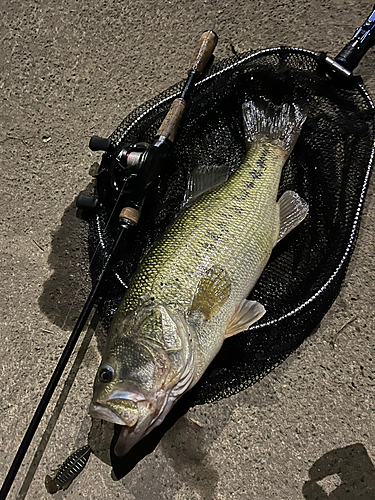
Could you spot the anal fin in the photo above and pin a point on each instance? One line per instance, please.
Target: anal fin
(293, 209)
(245, 314)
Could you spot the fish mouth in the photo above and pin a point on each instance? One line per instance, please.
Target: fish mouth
(120, 408)
(133, 428)
(132, 411)
(126, 439)
(102, 412)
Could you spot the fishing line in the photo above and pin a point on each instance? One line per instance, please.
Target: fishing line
(110, 218)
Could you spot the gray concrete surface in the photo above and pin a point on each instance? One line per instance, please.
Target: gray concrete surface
(71, 69)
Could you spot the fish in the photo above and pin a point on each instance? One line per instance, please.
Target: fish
(190, 291)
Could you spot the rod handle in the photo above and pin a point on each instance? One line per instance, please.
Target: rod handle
(203, 52)
(166, 134)
(201, 57)
(172, 120)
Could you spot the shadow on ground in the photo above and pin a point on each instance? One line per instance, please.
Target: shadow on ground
(65, 292)
(184, 443)
(342, 474)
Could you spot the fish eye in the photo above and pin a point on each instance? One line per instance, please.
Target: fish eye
(106, 374)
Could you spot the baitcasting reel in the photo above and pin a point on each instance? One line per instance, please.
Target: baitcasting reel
(125, 174)
(127, 170)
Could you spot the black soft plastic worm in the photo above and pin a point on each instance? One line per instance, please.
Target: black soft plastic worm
(68, 471)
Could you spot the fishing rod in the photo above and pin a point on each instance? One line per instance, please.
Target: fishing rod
(340, 66)
(142, 164)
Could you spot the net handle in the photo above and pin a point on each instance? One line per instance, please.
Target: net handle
(363, 39)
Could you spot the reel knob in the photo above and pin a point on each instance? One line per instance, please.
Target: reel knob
(86, 202)
(99, 143)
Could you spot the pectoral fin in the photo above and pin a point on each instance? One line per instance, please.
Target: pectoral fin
(212, 292)
(245, 314)
(293, 209)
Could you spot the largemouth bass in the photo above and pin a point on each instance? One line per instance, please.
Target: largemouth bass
(190, 291)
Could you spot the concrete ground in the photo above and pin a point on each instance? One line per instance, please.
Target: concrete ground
(73, 69)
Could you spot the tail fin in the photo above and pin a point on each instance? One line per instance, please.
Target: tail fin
(265, 121)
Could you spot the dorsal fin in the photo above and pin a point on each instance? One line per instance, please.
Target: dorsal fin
(203, 180)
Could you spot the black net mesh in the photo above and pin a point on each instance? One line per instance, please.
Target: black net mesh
(329, 168)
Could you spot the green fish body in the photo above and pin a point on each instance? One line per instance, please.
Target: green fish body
(189, 293)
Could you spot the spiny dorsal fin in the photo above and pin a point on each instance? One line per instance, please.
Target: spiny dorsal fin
(203, 180)
(245, 314)
(293, 209)
(212, 292)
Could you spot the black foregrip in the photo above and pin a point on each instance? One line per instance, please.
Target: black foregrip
(362, 41)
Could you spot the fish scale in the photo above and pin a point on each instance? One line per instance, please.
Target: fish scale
(238, 222)
(233, 209)
(189, 292)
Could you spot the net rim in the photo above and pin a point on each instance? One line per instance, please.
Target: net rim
(215, 74)
(355, 226)
(349, 247)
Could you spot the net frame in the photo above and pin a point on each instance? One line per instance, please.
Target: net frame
(250, 355)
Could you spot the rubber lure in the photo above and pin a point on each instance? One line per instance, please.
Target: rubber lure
(69, 470)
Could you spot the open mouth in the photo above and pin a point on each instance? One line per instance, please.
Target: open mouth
(99, 411)
(127, 438)
(115, 409)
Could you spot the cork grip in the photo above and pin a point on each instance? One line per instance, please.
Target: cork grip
(171, 122)
(168, 128)
(130, 214)
(203, 52)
